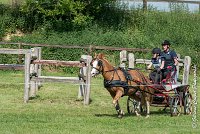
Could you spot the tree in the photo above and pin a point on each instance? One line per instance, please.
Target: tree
(69, 12)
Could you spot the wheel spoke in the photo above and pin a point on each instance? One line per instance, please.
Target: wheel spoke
(132, 105)
(175, 107)
(188, 104)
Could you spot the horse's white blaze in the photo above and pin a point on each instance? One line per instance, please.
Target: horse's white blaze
(94, 70)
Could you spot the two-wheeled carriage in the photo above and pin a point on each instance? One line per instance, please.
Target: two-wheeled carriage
(168, 93)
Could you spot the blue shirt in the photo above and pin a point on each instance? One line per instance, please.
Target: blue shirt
(157, 61)
(169, 57)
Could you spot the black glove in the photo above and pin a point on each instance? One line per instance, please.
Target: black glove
(158, 69)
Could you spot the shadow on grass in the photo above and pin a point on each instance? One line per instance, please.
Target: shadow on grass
(106, 115)
(159, 112)
(35, 97)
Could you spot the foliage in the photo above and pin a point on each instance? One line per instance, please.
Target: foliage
(2, 30)
(3, 8)
(115, 16)
(10, 19)
(181, 28)
(108, 25)
(62, 15)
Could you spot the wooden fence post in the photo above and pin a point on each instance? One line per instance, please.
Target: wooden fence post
(187, 63)
(88, 81)
(38, 54)
(83, 74)
(131, 60)
(34, 72)
(123, 58)
(27, 75)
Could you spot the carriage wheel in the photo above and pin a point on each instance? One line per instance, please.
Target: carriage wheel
(133, 105)
(188, 104)
(175, 107)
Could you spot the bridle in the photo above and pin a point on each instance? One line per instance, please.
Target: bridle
(100, 64)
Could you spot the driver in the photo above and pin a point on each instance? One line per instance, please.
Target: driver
(171, 60)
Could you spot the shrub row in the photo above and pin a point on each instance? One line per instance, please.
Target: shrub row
(112, 26)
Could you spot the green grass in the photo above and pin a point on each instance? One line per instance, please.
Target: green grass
(57, 111)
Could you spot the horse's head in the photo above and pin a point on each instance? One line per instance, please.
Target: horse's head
(97, 64)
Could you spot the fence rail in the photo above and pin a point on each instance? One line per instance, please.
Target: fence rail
(58, 79)
(90, 48)
(59, 63)
(13, 51)
(11, 66)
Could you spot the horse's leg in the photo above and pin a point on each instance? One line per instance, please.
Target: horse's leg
(118, 109)
(148, 108)
(148, 101)
(116, 103)
(115, 100)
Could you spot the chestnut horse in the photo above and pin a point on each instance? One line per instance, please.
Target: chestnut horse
(118, 84)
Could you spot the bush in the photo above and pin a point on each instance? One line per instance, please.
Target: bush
(3, 10)
(62, 15)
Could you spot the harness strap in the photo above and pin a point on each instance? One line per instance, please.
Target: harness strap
(124, 84)
(115, 83)
(142, 90)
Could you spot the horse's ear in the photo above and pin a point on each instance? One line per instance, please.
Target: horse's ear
(95, 55)
(101, 56)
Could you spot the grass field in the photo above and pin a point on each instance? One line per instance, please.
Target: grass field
(56, 111)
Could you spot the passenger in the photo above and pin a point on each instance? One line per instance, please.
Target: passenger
(171, 60)
(158, 64)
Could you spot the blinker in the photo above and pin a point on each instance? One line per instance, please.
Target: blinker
(99, 63)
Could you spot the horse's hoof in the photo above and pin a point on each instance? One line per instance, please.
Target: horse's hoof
(138, 115)
(122, 113)
(120, 116)
(114, 102)
(147, 116)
